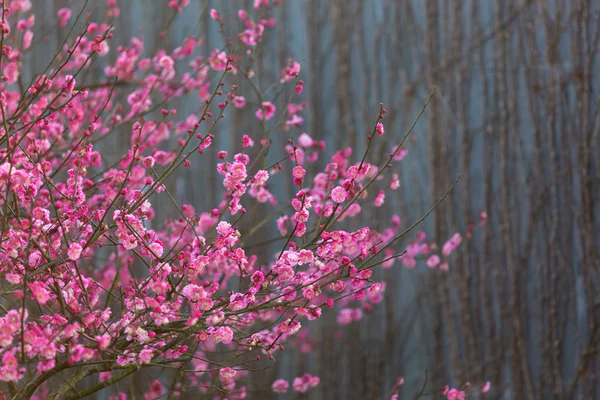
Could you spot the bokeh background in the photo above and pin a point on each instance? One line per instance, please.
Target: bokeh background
(515, 111)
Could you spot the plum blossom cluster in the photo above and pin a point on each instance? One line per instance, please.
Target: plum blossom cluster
(300, 384)
(460, 393)
(93, 285)
(448, 393)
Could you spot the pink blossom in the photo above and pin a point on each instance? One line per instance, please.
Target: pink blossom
(103, 376)
(266, 111)
(433, 261)
(290, 71)
(408, 262)
(41, 294)
(148, 162)
(239, 101)
(218, 60)
(451, 244)
(305, 140)
(486, 387)
(247, 141)
(338, 194)
(223, 334)
(227, 373)
(103, 341)
(280, 386)
(349, 315)
(400, 154)
(155, 391)
(395, 182)
(303, 383)
(298, 174)
(379, 199)
(295, 121)
(166, 63)
(260, 3)
(75, 251)
(64, 14)
(483, 217)
(455, 394)
(11, 72)
(27, 39)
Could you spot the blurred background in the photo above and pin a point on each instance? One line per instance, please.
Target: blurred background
(515, 111)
